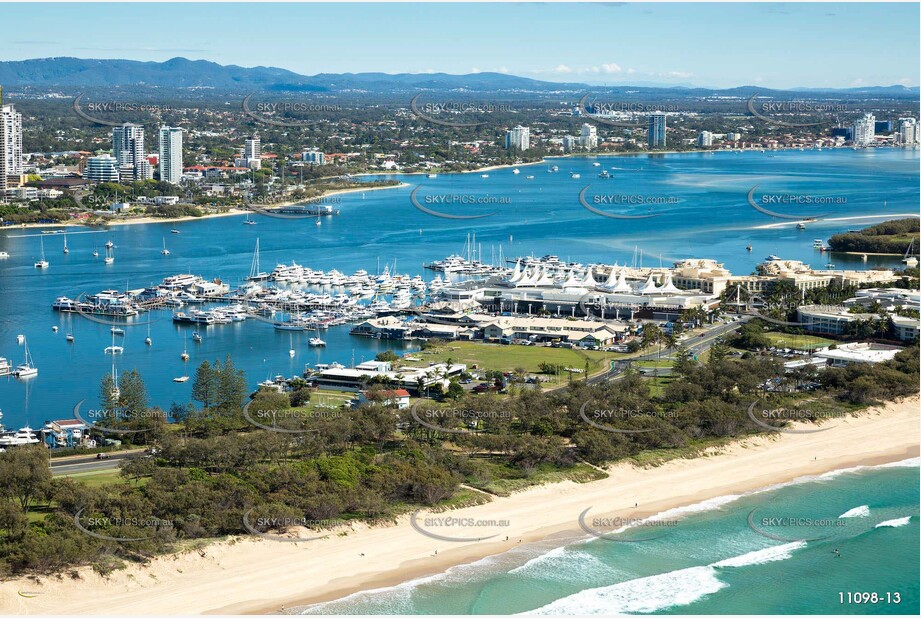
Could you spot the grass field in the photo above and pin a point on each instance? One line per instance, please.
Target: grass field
(798, 342)
(496, 357)
(97, 477)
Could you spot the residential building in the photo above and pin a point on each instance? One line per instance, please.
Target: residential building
(704, 139)
(170, 161)
(908, 131)
(588, 137)
(865, 130)
(128, 150)
(518, 138)
(314, 157)
(570, 142)
(103, 168)
(657, 128)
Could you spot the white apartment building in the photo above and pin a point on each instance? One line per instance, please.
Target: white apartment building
(170, 155)
(519, 137)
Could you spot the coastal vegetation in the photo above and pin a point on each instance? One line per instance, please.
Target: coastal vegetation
(889, 237)
(203, 473)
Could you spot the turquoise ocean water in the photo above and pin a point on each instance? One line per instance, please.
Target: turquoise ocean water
(710, 562)
(711, 219)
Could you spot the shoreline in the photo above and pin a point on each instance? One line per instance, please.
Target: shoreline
(231, 212)
(887, 216)
(256, 576)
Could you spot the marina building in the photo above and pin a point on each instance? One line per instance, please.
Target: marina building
(518, 138)
(657, 128)
(850, 353)
(410, 379)
(170, 161)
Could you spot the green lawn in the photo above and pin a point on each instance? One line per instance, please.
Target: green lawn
(97, 477)
(798, 342)
(491, 356)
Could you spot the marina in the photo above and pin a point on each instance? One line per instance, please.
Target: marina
(355, 273)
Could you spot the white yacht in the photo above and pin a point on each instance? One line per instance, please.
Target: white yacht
(516, 171)
(164, 251)
(110, 254)
(4, 255)
(316, 342)
(20, 438)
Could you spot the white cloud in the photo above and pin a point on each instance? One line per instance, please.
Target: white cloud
(611, 68)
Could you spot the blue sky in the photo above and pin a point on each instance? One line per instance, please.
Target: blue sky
(718, 45)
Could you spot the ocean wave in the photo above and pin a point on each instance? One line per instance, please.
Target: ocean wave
(647, 594)
(857, 511)
(762, 556)
(658, 592)
(894, 523)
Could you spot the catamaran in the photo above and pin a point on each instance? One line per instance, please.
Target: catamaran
(248, 221)
(42, 263)
(164, 251)
(110, 254)
(66, 250)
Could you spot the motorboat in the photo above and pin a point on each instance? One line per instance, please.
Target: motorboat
(22, 437)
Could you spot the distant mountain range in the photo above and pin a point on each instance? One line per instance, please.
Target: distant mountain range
(181, 73)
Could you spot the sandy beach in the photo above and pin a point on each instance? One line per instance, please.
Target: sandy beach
(252, 575)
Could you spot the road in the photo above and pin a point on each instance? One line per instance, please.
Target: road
(72, 465)
(695, 345)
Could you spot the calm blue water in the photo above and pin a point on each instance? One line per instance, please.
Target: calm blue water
(712, 219)
(711, 562)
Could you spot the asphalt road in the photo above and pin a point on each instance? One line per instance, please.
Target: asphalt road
(86, 464)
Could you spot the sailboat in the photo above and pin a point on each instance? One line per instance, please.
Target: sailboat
(185, 351)
(255, 273)
(42, 263)
(116, 392)
(148, 341)
(114, 349)
(26, 369)
(290, 343)
(110, 254)
(908, 259)
(95, 250)
(66, 250)
(164, 251)
(196, 337)
(318, 221)
(248, 221)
